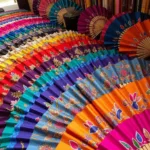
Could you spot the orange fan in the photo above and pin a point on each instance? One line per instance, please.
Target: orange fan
(135, 41)
(45, 7)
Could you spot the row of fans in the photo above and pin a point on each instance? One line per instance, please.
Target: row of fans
(127, 32)
(63, 90)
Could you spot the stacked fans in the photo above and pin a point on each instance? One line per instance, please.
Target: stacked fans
(64, 90)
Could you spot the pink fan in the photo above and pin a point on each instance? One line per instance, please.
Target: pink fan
(132, 134)
(92, 20)
(45, 7)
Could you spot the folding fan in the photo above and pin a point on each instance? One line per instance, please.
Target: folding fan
(12, 12)
(135, 40)
(22, 23)
(134, 133)
(73, 101)
(45, 7)
(13, 77)
(76, 75)
(69, 39)
(112, 32)
(53, 123)
(4, 21)
(27, 75)
(22, 35)
(60, 8)
(92, 20)
(35, 6)
(51, 98)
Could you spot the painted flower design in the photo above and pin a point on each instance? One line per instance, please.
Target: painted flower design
(59, 125)
(123, 72)
(135, 99)
(78, 52)
(74, 145)
(45, 128)
(75, 111)
(45, 147)
(117, 111)
(66, 59)
(14, 77)
(13, 104)
(91, 126)
(45, 58)
(57, 62)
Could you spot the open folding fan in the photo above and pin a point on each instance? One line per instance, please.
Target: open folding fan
(22, 35)
(82, 107)
(60, 8)
(32, 76)
(50, 77)
(14, 75)
(35, 6)
(134, 133)
(83, 92)
(135, 41)
(92, 20)
(113, 31)
(45, 7)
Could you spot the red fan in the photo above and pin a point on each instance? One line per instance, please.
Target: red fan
(92, 20)
(45, 7)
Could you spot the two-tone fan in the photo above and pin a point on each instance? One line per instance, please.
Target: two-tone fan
(92, 20)
(45, 7)
(112, 32)
(135, 40)
(60, 8)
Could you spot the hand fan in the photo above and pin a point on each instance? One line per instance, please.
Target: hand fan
(46, 98)
(12, 12)
(45, 7)
(16, 18)
(68, 81)
(18, 37)
(39, 58)
(14, 15)
(66, 46)
(112, 34)
(35, 6)
(19, 24)
(64, 109)
(92, 20)
(62, 37)
(135, 40)
(134, 133)
(60, 8)
(27, 76)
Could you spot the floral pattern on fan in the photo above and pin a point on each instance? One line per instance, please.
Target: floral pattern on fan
(138, 141)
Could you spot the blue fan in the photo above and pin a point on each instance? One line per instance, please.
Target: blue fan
(112, 31)
(60, 8)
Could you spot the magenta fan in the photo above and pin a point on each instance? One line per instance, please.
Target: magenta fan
(92, 20)
(45, 7)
